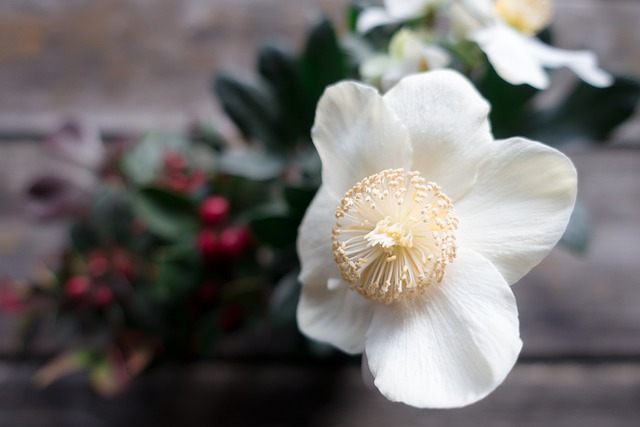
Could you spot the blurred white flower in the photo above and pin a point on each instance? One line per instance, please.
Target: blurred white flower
(395, 11)
(505, 30)
(410, 52)
(58, 192)
(421, 224)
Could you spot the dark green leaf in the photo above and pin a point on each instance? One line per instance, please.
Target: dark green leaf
(112, 215)
(276, 231)
(84, 236)
(284, 299)
(588, 114)
(167, 214)
(251, 109)
(208, 135)
(298, 199)
(509, 103)
(243, 193)
(322, 64)
(280, 71)
(255, 165)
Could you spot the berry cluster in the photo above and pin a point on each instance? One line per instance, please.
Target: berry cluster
(218, 241)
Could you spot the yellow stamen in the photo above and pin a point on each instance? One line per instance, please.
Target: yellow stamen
(395, 235)
(527, 16)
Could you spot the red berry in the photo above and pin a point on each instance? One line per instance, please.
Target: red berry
(103, 296)
(234, 241)
(98, 263)
(77, 287)
(208, 244)
(214, 210)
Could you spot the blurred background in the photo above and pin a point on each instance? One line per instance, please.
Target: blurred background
(130, 66)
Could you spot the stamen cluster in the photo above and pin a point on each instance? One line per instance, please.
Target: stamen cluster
(394, 236)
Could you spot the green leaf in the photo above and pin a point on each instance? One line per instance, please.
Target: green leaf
(175, 280)
(588, 114)
(84, 236)
(276, 231)
(255, 165)
(509, 103)
(243, 193)
(280, 71)
(284, 299)
(208, 135)
(578, 232)
(322, 64)
(112, 215)
(144, 161)
(298, 199)
(167, 214)
(251, 109)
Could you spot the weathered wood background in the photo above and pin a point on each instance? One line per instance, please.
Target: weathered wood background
(138, 64)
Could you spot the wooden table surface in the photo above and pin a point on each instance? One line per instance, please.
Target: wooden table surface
(136, 65)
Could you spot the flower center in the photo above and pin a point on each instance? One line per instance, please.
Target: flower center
(526, 16)
(394, 235)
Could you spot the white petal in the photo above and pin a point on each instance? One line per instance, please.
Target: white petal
(448, 125)
(357, 135)
(339, 317)
(408, 9)
(314, 239)
(583, 63)
(450, 347)
(519, 207)
(482, 11)
(508, 53)
(399, 70)
(373, 17)
(328, 310)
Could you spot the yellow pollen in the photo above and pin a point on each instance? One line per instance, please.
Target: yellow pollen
(527, 16)
(395, 235)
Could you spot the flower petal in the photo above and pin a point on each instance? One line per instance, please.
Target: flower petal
(453, 345)
(508, 53)
(373, 17)
(408, 9)
(584, 63)
(448, 125)
(314, 239)
(519, 207)
(328, 310)
(357, 135)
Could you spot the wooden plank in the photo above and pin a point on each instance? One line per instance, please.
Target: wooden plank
(279, 395)
(132, 64)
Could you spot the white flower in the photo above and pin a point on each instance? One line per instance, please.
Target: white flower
(409, 53)
(421, 224)
(394, 11)
(505, 29)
